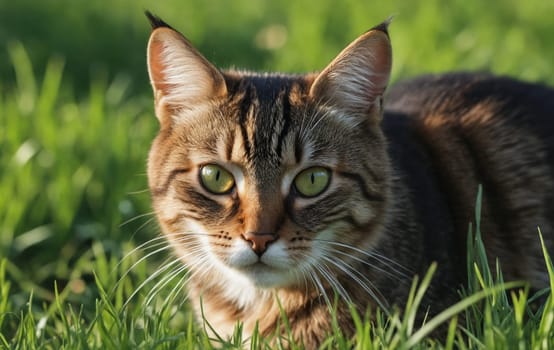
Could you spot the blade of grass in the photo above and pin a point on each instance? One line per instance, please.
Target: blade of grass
(455, 309)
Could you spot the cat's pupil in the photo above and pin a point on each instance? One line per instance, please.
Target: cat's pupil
(217, 175)
(312, 178)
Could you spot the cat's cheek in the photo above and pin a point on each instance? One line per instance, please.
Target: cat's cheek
(359, 211)
(362, 213)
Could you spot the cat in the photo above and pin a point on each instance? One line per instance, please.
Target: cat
(278, 192)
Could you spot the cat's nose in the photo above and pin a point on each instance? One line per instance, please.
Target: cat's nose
(259, 241)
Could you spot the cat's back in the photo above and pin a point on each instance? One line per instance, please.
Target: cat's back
(477, 112)
(477, 98)
(464, 130)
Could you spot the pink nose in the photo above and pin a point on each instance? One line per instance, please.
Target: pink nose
(259, 241)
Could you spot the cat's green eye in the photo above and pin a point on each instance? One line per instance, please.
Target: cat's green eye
(312, 181)
(216, 179)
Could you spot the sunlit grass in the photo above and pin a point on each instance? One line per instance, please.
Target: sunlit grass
(72, 171)
(493, 315)
(505, 36)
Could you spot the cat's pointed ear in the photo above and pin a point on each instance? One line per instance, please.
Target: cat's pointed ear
(180, 76)
(354, 82)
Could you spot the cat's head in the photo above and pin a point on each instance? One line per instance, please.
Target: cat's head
(266, 177)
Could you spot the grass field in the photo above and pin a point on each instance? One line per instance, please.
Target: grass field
(76, 121)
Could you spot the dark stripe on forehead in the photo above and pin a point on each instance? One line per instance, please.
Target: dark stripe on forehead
(268, 122)
(246, 104)
(270, 117)
(229, 143)
(285, 115)
(298, 149)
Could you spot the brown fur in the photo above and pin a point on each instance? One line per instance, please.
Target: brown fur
(401, 192)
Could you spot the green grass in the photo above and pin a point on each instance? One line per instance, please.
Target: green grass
(495, 315)
(108, 36)
(76, 122)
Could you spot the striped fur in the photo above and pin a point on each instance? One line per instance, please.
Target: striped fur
(401, 193)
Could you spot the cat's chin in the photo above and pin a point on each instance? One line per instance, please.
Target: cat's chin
(265, 276)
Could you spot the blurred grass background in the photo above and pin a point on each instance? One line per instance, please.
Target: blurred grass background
(76, 118)
(506, 36)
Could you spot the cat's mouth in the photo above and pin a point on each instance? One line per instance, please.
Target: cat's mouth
(260, 267)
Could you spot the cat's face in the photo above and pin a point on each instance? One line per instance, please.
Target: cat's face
(268, 178)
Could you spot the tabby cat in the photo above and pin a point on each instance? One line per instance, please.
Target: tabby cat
(278, 192)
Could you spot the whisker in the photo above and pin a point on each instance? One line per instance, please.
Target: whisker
(192, 271)
(136, 218)
(179, 286)
(165, 281)
(391, 273)
(304, 271)
(197, 259)
(143, 225)
(373, 254)
(319, 286)
(150, 278)
(333, 281)
(146, 190)
(368, 253)
(136, 249)
(362, 281)
(152, 243)
(171, 268)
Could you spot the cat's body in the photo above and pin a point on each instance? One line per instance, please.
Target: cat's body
(450, 133)
(279, 191)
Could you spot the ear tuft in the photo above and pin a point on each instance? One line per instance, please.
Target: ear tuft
(155, 21)
(355, 81)
(383, 26)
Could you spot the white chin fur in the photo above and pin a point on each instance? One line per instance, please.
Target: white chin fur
(274, 269)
